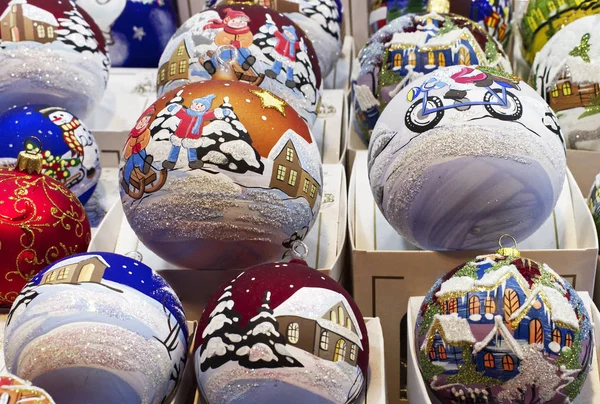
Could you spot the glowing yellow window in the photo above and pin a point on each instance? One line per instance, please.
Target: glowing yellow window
(281, 172)
(555, 92)
(398, 60)
(430, 58)
(289, 154)
(566, 88)
(441, 59)
(180, 50)
(172, 69)
(41, 31)
(293, 176)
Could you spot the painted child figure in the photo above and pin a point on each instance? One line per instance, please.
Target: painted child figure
(189, 131)
(285, 52)
(236, 33)
(135, 148)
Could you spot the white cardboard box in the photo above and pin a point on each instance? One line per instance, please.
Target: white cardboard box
(418, 392)
(386, 270)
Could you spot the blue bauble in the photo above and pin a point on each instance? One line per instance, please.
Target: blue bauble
(70, 152)
(98, 328)
(141, 33)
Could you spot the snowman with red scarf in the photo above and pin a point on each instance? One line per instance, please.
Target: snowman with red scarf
(285, 51)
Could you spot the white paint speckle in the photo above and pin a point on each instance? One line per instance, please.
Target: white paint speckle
(264, 118)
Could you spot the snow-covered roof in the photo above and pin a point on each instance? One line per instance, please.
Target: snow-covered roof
(77, 260)
(172, 46)
(455, 329)
(450, 38)
(433, 15)
(561, 310)
(499, 327)
(32, 12)
(314, 304)
(417, 38)
(466, 284)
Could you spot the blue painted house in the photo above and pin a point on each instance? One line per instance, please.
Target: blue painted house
(448, 352)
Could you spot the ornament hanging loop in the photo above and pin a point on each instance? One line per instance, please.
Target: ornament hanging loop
(30, 159)
(135, 255)
(508, 251)
(226, 56)
(438, 6)
(299, 250)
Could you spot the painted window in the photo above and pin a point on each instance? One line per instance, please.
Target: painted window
(289, 154)
(86, 273)
(442, 352)
(62, 274)
(348, 323)
(441, 59)
(556, 336)
(412, 59)
(488, 361)
(490, 305)
(511, 304)
(333, 316)
(464, 56)
(313, 190)
(560, 3)
(555, 92)
(551, 7)
(340, 351)
(163, 73)
(430, 58)
(568, 339)
(508, 363)
(180, 50)
(281, 172)
(52, 276)
(293, 176)
(172, 69)
(474, 305)
(182, 66)
(324, 343)
(50, 31)
(536, 333)
(41, 31)
(452, 306)
(353, 352)
(566, 88)
(340, 316)
(305, 186)
(398, 60)
(432, 353)
(293, 332)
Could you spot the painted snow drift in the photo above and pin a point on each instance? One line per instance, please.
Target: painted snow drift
(566, 72)
(71, 155)
(594, 202)
(410, 47)
(504, 329)
(321, 21)
(220, 175)
(270, 51)
(463, 155)
(281, 333)
(98, 319)
(52, 53)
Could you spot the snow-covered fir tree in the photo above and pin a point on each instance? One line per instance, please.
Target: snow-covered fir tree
(325, 13)
(263, 346)
(76, 33)
(222, 334)
(165, 123)
(28, 293)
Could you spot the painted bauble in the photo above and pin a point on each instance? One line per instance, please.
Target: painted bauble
(321, 21)
(41, 221)
(113, 332)
(463, 155)
(410, 47)
(504, 327)
(22, 391)
(71, 155)
(139, 30)
(270, 51)
(566, 72)
(281, 332)
(543, 18)
(594, 202)
(220, 175)
(54, 55)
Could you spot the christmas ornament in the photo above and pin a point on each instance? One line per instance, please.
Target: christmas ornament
(41, 222)
(70, 152)
(595, 203)
(281, 332)
(506, 328)
(51, 52)
(566, 72)
(385, 11)
(220, 175)
(108, 320)
(267, 50)
(410, 47)
(15, 390)
(138, 30)
(544, 18)
(321, 21)
(463, 155)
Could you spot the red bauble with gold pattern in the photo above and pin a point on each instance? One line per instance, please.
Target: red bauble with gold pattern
(41, 222)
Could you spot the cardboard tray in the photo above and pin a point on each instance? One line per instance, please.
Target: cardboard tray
(387, 270)
(418, 392)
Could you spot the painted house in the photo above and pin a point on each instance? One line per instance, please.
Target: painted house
(289, 176)
(427, 49)
(567, 94)
(176, 67)
(333, 334)
(445, 340)
(21, 21)
(498, 355)
(89, 270)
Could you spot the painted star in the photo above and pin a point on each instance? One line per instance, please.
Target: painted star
(138, 33)
(268, 100)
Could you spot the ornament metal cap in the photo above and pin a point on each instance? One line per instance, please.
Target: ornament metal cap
(30, 159)
(438, 6)
(508, 251)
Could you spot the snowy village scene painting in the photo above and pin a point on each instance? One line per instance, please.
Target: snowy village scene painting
(300, 344)
(504, 330)
(78, 303)
(270, 52)
(224, 174)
